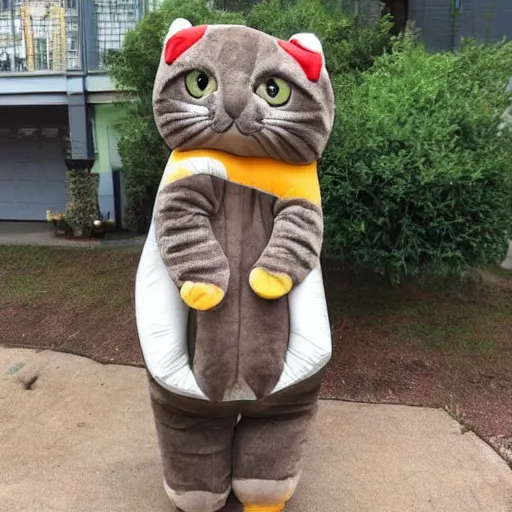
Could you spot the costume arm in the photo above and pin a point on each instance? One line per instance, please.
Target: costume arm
(194, 258)
(292, 251)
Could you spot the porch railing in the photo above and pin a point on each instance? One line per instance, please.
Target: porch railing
(37, 35)
(111, 20)
(54, 36)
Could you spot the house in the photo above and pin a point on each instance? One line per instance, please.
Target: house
(444, 22)
(53, 86)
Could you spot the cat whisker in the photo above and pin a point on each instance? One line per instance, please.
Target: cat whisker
(297, 125)
(297, 116)
(269, 145)
(200, 129)
(186, 129)
(290, 126)
(294, 142)
(304, 134)
(181, 121)
(187, 115)
(181, 107)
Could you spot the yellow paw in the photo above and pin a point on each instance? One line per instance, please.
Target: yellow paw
(178, 173)
(201, 296)
(268, 285)
(278, 507)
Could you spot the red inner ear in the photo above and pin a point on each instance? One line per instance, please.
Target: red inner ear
(310, 61)
(182, 41)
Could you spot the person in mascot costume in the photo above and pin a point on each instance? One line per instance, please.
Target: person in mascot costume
(230, 303)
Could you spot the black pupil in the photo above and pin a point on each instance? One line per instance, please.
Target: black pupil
(202, 81)
(272, 88)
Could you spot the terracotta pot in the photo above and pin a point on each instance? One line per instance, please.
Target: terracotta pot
(61, 227)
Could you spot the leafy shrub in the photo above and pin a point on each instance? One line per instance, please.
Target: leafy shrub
(141, 148)
(347, 46)
(416, 177)
(142, 151)
(83, 207)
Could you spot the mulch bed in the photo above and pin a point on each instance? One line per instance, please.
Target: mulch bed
(412, 345)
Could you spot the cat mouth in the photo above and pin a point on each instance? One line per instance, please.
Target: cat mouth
(232, 127)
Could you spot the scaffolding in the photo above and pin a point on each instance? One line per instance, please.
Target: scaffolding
(152, 5)
(44, 35)
(114, 18)
(37, 35)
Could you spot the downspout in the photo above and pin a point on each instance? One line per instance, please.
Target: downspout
(457, 5)
(81, 154)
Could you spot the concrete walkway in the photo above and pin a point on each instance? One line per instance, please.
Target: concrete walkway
(33, 233)
(41, 234)
(76, 436)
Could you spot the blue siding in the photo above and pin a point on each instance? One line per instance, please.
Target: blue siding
(488, 20)
(434, 18)
(443, 26)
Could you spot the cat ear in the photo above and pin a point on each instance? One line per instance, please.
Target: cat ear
(308, 42)
(181, 36)
(307, 50)
(177, 25)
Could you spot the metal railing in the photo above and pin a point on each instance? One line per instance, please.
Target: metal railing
(52, 36)
(112, 20)
(37, 35)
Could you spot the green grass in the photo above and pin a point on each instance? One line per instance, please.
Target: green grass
(466, 317)
(461, 335)
(469, 316)
(66, 277)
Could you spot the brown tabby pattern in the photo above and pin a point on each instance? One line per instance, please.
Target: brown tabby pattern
(213, 231)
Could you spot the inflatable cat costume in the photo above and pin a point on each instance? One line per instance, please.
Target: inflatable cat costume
(230, 302)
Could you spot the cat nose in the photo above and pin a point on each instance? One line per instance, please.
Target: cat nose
(234, 105)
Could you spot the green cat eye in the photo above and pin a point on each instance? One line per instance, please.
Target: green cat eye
(199, 84)
(274, 91)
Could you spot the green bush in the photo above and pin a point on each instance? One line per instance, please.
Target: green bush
(144, 155)
(348, 47)
(416, 178)
(83, 207)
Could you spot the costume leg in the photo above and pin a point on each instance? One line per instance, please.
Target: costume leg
(268, 452)
(197, 457)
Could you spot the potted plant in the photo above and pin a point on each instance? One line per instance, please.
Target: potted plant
(60, 226)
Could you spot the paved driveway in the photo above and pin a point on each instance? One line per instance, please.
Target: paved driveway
(32, 233)
(41, 233)
(77, 436)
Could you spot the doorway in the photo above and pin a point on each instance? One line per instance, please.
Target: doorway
(399, 10)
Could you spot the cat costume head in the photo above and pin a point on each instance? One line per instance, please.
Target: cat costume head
(241, 91)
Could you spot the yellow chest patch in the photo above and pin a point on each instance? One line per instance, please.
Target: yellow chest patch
(279, 179)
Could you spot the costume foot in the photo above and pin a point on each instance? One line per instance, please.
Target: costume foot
(178, 173)
(201, 296)
(191, 501)
(269, 286)
(278, 507)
